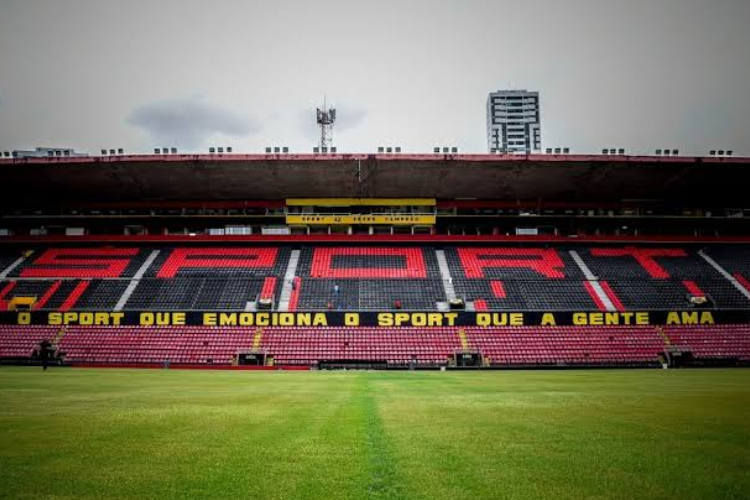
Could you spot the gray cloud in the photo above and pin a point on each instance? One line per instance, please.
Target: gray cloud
(189, 123)
(348, 118)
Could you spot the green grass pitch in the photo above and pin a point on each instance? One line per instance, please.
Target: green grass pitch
(601, 434)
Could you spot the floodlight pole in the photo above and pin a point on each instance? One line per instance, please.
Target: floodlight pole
(325, 119)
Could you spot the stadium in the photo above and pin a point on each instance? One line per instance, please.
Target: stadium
(377, 261)
(300, 281)
(392, 250)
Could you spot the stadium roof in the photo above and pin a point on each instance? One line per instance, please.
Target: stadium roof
(271, 177)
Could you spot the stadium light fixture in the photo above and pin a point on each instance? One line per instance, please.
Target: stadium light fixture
(104, 152)
(381, 149)
(436, 151)
(120, 151)
(229, 149)
(285, 149)
(220, 149)
(212, 150)
(157, 151)
(721, 152)
(316, 150)
(548, 151)
(454, 150)
(174, 151)
(675, 152)
(397, 149)
(333, 149)
(269, 151)
(606, 151)
(566, 151)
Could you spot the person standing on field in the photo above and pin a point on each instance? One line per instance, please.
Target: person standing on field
(45, 352)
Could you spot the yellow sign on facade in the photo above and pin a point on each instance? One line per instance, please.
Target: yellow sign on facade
(361, 202)
(333, 220)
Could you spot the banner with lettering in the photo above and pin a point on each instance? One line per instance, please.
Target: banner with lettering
(375, 319)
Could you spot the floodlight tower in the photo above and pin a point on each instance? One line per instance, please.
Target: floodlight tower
(326, 117)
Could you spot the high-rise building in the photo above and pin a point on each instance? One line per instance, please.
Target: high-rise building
(513, 124)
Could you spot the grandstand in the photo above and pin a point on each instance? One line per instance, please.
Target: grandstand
(554, 261)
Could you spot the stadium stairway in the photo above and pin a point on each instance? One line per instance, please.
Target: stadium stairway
(464, 340)
(58, 336)
(257, 339)
(664, 336)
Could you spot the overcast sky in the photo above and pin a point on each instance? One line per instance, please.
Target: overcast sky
(638, 74)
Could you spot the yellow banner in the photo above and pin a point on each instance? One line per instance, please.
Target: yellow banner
(361, 202)
(332, 220)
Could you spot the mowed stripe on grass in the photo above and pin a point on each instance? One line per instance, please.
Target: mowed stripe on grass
(598, 434)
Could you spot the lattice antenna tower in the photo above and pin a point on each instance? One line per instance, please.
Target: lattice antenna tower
(326, 117)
